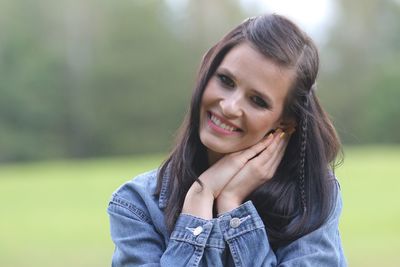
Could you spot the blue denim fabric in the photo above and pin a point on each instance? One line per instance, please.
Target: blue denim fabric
(235, 238)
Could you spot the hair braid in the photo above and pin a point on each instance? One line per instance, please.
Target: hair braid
(303, 145)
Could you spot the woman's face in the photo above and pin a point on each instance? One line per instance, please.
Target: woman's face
(243, 101)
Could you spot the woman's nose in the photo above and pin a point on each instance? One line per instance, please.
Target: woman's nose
(231, 107)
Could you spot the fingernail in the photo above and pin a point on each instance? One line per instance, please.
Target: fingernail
(269, 136)
(282, 135)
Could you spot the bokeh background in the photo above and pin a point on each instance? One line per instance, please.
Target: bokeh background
(92, 93)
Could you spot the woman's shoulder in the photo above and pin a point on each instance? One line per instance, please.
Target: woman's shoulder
(334, 200)
(146, 181)
(137, 193)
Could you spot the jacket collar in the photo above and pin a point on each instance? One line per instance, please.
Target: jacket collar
(164, 194)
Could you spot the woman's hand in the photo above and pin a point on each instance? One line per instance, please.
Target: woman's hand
(200, 199)
(221, 173)
(253, 174)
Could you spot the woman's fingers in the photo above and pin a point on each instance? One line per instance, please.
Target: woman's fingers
(268, 161)
(259, 161)
(228, 166)
(271, 150)
(258, 169)
(257, 148)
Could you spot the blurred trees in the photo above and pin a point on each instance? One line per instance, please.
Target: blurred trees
(360, 80)
(92, 78)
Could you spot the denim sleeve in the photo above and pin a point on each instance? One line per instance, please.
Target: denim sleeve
(245, 234)
(138, 243)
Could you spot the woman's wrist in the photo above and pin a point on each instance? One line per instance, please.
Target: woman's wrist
(199, 202)
(225, 204)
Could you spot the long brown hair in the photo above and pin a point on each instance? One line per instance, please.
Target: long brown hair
(299, 197)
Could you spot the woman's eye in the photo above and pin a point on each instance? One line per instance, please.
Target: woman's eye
(259, 101)
(225, 80)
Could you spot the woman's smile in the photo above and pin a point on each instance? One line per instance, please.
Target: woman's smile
(221, 125)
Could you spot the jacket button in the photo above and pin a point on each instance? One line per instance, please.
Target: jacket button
(197, 230)
(235, 222)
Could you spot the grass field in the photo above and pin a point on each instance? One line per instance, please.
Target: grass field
(54, 213)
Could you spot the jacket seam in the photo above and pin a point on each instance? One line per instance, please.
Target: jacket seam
(130, 207)
(234, 252)
(195, 243)
(243, 232)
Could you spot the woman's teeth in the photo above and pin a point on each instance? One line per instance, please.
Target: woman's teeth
(216, 121)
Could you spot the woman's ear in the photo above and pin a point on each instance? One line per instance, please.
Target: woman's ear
(288, 125)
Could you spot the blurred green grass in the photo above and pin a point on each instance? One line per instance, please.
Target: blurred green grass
(54, 213)
(370, 182)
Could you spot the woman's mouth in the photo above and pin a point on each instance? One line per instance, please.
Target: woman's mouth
(220, 125)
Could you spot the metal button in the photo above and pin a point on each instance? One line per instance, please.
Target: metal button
(235, 222)
(197, 230)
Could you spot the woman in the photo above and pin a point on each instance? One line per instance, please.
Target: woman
(250, 181)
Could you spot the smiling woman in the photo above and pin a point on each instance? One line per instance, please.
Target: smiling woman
(251, 180)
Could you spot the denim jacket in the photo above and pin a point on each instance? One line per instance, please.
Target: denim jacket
(235, 238)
